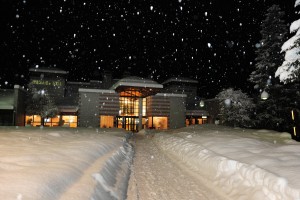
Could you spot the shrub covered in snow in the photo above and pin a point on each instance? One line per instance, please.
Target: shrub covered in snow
(236, 108)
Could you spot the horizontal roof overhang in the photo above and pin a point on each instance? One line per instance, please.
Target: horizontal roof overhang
(197, 113)
(180, 80)
(145, 87)
(48, 70)
(68, 109)
(6, 107)
(140, 91)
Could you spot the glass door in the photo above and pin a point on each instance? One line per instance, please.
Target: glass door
(128, 123)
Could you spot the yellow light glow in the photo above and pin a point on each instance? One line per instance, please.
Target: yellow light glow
(293, 117)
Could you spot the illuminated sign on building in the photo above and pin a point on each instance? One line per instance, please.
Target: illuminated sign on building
(47, 82)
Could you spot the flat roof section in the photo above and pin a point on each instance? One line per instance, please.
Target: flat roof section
(145, 87)
(48, 70)
(180, 80)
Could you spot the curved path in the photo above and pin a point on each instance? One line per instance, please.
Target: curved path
(157, 176)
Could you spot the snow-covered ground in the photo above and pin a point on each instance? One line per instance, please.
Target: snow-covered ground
(196, 162)
(63, 163)
(239, 163)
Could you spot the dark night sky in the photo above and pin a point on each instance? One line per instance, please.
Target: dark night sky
(212, 41)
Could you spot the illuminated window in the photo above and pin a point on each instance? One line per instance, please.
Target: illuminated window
(33, 120)
(36, 120)
(144, 106)
(54, 121)
(106, 121)
(158, 122)
(69, 121)
(197, 120)
(129, 106)
(202, 120)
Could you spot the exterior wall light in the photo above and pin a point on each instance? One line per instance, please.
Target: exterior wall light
(202, 104)
(264, 95)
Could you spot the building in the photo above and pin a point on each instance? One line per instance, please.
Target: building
(132, 103)
(12, 108)
(196, 112)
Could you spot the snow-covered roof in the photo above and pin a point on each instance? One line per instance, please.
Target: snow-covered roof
(171, 95)
(90, 90)
(68, 108)
(48, 70)
(77, 83)
(144, 87)
(197, 113)
(134, 81)
(180, 79)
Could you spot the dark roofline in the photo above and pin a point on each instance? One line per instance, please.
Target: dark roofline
(180, 80)
(49, 70)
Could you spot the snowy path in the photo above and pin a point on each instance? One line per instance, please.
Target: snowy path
(81, 189)
(157, 176)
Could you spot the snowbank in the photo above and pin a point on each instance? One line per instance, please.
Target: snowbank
(63, 163)
(242, 164)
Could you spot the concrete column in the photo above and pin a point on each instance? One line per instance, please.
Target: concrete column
(140, 114)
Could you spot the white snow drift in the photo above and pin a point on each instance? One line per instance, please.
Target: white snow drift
(63, 163)
(242, 164)
(57, 163)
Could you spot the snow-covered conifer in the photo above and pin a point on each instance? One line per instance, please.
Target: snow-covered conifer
(40, 103)
(271, 113)
(289, 71)
(236, 108)
(273, 33)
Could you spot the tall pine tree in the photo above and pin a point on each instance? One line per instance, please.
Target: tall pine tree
(289, 71)
(271, 113)
(273, 33)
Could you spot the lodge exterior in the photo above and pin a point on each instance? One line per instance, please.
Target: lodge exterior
(132, 103)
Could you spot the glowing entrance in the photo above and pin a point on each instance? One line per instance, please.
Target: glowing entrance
(132, 109)
(133, 92)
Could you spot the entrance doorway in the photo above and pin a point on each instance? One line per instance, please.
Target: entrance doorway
(128, 123)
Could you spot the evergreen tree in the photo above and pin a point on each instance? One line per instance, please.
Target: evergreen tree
(236, 108)
(272, 113)
(289, 71)
(40, 103)
(273, 32)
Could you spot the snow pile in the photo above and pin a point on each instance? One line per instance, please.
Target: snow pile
(242, 164)
(63, 163)
(114, 176)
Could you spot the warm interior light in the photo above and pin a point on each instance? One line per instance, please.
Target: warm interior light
(293, 117)
(294, 131)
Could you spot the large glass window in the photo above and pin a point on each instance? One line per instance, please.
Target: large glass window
(129, 110)
(158, 122)
(69, 121)
(196, 120)
(33, 120)
(54, 121)
(106, 121)
(129, 106)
